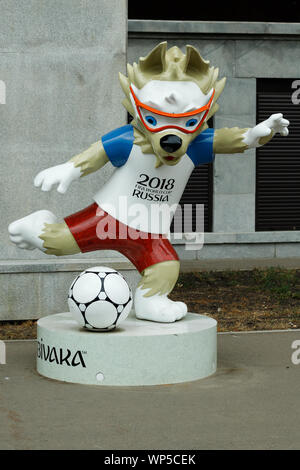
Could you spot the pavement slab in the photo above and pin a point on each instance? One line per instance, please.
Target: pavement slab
(252, 402)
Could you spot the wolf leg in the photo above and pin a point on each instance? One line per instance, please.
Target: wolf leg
(58, 240)
(151, 297)
(40, 230)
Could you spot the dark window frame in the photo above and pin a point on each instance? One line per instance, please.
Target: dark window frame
(248, 11)
(277, 197)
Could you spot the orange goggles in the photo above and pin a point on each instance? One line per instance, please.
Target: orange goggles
(152, 124)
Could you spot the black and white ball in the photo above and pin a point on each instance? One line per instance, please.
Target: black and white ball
(100, 298)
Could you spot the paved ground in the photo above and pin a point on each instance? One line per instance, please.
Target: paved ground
(251, 403)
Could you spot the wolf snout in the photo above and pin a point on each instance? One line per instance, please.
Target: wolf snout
(170, 143)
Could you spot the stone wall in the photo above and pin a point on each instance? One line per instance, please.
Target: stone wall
(59, 61)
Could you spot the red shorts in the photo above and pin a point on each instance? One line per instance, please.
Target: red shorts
(138, 247)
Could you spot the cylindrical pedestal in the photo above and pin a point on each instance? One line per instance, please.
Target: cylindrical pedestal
(137, 353)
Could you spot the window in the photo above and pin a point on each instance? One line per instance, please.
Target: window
(278, 162)
(204, 11)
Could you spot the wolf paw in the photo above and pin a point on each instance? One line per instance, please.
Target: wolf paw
(158, 308)
(24, 233)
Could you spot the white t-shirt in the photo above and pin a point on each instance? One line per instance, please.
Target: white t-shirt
(138, 194)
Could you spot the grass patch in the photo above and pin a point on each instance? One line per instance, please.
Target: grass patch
(258, 299)
(282, 284)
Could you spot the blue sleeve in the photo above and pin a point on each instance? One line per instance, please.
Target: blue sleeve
(200, 150)
(118, 144)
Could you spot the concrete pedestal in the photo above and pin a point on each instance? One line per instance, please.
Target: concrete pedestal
(137, 353)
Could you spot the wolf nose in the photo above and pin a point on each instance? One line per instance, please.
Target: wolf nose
(170, 143)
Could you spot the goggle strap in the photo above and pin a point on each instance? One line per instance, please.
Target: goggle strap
(139, 104)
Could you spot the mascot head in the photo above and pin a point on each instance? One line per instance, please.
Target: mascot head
(170, 96)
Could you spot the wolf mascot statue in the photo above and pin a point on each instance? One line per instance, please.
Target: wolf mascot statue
(170, 96)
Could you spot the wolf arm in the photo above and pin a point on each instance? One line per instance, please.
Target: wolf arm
(83, 164)
(91, 159)
(236, 140)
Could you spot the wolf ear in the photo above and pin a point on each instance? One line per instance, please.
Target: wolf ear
(194, 64)
(155, 62)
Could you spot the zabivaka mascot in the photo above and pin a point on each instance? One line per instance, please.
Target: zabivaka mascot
(170, 96)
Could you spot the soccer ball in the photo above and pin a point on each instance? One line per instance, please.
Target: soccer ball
(100, 298)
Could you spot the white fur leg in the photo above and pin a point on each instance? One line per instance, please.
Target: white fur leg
(157, 308)
(25, 232)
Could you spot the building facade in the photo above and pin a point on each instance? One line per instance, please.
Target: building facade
(59, 69)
